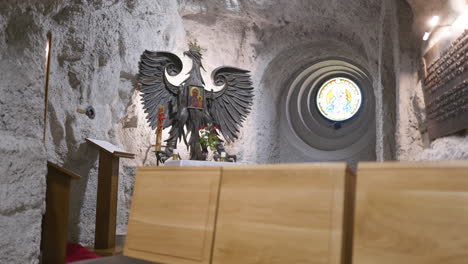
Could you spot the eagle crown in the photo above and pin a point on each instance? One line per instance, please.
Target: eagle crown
(193, 45)
(194, 53)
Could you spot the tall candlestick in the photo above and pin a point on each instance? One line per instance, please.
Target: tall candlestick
(159, 129)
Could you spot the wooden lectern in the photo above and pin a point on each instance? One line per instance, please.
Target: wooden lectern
(55, 222)
(107, 192)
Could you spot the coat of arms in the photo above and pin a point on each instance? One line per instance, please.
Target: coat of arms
(189, 106)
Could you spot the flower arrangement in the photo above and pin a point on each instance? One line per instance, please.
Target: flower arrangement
(209, 137)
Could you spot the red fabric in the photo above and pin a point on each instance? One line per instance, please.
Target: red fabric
(75, 252)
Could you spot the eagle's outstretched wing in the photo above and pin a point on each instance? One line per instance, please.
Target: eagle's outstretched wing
(155, 88)
(230, 106)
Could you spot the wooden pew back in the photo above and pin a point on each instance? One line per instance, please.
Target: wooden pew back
(415, 213)
(284, 214)
(243, 214)
(172, 215)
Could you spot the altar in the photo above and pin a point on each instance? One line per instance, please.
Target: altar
(197, 163)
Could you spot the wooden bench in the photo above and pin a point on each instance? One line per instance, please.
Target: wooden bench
(284, 214)
(253, 214)
(411, 213)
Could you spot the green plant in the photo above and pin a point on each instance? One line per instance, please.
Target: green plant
(208, 137)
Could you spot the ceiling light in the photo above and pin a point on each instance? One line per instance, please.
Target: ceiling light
(426, 36)
(434, 21)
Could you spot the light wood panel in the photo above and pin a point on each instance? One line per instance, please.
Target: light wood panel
(173, 214)
(284, 214)
(415, 213)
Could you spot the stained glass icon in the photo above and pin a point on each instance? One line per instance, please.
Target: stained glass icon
(339, 99)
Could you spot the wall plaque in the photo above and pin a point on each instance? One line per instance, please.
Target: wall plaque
(446, 88)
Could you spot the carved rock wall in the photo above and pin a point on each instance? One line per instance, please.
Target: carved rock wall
(95, 62)
(412, 139)
(95, 53)
(264, 35)
(23, 159)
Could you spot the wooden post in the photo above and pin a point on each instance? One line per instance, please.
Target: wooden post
(106, 206)
(46, 89)
(55, 221)
(107, 192)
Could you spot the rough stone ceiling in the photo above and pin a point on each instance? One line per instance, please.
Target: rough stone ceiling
(448, 10)
(428, 6)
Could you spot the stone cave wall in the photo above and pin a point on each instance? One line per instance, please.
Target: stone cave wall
(412, 138)
(351, 30)
(271, 37)
(410, 111)
(95, 54)
(95, 61)
(23, 159)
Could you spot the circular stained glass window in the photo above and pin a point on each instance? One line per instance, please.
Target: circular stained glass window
(339, 99)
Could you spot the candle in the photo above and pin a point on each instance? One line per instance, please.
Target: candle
(223, 156)
(175, 154)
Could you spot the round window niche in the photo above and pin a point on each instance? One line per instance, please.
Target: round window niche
(338, 99)
(330, 108)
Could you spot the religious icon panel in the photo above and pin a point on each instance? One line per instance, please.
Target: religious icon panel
(195, 97)
(339, 99)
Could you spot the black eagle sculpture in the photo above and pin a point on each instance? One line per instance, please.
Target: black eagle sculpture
(189, 106)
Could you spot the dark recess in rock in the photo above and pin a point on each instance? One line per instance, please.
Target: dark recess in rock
(72, 51)
(122, 47)
(420, 114)
(131, 123)
(130, 4)
(18, 31)
(130, 77)
(205, 19)
(67, 13)
(103, 59)
(73, 80)
(69, 132)
(55, 126)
